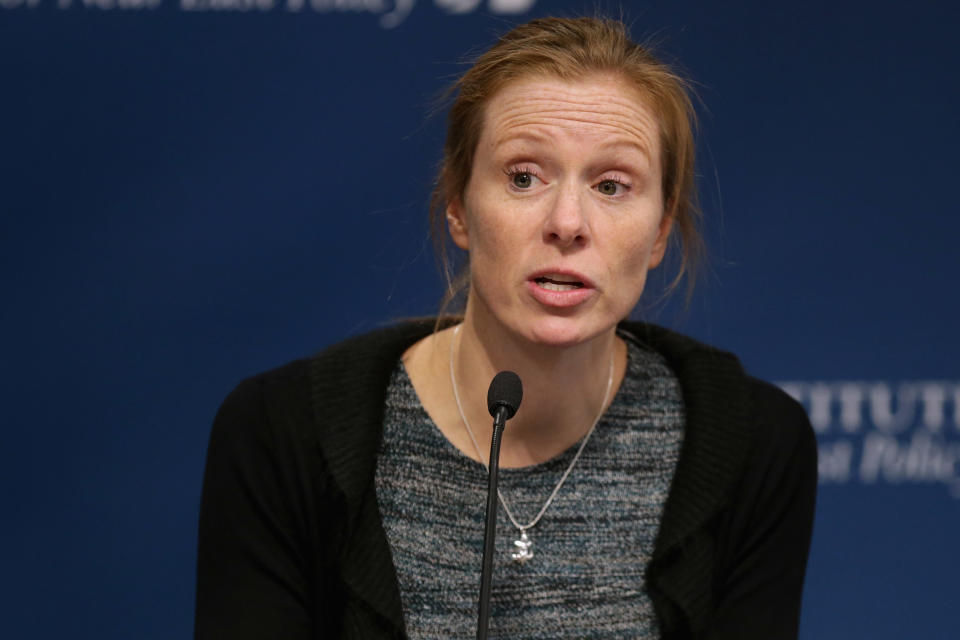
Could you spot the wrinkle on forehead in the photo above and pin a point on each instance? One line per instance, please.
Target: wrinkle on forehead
(601, 108)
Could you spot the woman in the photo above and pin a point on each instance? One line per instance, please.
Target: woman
(649, 488)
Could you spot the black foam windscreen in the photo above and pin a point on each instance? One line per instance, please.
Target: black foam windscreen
(506, 390)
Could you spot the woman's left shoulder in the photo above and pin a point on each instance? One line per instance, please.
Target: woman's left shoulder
(782, 430)
(770, 402)
(781, 426)
(718, 390)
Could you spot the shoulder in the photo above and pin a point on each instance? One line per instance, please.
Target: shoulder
(737, 425)
(368, 354)
(778, 416)
(681, 352)
(782, 460)
(259, 402)
(331, 380)
(705, 370)
(340, 364)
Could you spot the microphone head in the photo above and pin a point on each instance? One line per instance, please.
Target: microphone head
(505, 391)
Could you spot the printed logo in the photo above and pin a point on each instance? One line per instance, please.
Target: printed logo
(392, 13)
(884, 432)
(495, 6)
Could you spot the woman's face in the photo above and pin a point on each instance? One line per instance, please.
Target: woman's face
(563, 214)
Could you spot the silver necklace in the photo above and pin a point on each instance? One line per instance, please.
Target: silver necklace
(524, 545)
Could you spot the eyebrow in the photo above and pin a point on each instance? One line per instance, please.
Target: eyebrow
(630, 144)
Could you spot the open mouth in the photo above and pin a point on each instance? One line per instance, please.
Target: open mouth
(553, 283)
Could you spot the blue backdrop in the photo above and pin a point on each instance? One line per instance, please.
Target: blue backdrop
(196, 190)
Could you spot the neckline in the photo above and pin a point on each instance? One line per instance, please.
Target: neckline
(547, 466)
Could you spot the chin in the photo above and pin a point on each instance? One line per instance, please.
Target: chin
(564, 332)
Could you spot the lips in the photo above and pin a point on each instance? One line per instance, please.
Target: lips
(560, 288)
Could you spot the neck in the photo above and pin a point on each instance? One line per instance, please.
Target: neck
(564, 388)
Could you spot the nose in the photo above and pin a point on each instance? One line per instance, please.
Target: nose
(566, 222)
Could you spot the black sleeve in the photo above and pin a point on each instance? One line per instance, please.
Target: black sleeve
(765, 536)
(253, 573)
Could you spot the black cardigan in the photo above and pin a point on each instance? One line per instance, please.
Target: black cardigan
(291, 544)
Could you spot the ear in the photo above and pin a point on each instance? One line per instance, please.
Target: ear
(457, 224)
(660, 244)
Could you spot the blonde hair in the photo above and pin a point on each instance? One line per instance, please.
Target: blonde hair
(571, 49)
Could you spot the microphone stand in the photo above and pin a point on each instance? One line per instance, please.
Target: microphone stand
(490, 532)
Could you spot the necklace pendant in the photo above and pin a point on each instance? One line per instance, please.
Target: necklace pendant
(524, 548)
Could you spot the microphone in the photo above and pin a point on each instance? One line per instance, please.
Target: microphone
(503, 400)
(505, 393)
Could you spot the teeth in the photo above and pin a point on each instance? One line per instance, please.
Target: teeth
(557, 282)
(561, 279)
(555, 286)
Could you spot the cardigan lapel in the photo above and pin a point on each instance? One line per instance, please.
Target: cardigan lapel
(715, 448)
(349, 383)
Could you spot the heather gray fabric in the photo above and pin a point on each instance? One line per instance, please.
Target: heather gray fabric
(590, 549)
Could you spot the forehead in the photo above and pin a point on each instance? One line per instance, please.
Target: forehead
(605, 109)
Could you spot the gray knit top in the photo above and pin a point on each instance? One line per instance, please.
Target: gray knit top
(590, 549)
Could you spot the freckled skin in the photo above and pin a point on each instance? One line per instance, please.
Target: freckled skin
(566, 176)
